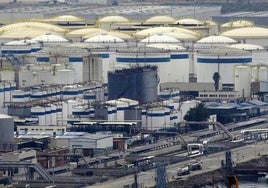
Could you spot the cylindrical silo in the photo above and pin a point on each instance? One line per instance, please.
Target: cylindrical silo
(111, 111)
(144, 119)
(146, 84)
(77, 64)
(53, 114)
(70, 91)
(90, 95)
(139, 83)
(121, 107)
(221, 60)
(178, 68)
(40, 113)
(20, 96)
(156, 118)
(7, 75)
(144, 57)
(185, 107)
(6, 130)
(67, 109)
(259, 73)
(48, 115)
(242, 80)
(64, 76)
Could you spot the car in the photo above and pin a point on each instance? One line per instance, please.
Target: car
(183, 171)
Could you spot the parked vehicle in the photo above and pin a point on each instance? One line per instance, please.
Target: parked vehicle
(183, 171)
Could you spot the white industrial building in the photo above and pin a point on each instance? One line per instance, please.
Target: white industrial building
(96, 141)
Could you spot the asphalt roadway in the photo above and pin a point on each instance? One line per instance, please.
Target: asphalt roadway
(209, 163)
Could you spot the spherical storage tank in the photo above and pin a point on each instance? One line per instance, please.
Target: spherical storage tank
(220, 60)
(6, 130)
(242, 80)
(138, 83)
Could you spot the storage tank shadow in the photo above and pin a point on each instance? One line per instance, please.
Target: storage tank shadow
(137, 83)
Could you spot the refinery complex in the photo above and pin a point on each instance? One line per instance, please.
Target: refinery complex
(93, 91)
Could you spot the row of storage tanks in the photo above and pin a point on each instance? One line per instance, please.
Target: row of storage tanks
(151, 117)
(179, 53)
(174, 64)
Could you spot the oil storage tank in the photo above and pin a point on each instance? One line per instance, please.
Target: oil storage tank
(137, 83)
(6, 131)
(178, 68)
(221, 60)
(242, 80)
(142, 56)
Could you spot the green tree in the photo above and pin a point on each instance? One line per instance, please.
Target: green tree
(199, 113)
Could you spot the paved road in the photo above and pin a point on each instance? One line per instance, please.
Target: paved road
(211, 162)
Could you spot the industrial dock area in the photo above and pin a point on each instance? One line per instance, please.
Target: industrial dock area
(133, 94)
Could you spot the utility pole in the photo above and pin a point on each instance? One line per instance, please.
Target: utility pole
(231, 179)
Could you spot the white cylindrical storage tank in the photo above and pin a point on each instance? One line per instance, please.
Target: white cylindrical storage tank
(90, 95)
(53, 114)
(38, 94)
(80, 111)
(144, 119)
(242, 80)
(185, 107)
(8, 89)
(70, 91)
(156, 118)
(111, 111)
(77, 64)
(59, 114)
(259, 73)
(64, 76)
(106, 64)
(221, 60)
(167, 118)
(98, 94)
(48, 115)
(20, 96)
(263, 73)
(67, 109)
(6, 131)
(121, 107)
(259, 53)
(7, 75)
(178, 68)
(146, 56)
(40, 113)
